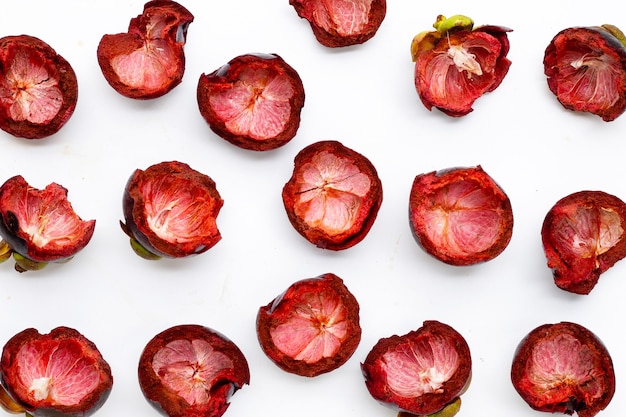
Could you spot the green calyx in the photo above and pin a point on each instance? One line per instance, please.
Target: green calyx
(23, 264)
(616, 32)
(449, 410)
(143, 252)
(5, 251)
(453, 23)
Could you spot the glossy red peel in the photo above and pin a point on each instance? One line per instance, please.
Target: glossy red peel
(170, 211)
(148, 61)
(460, 216)
(312, 328)
(563, 368)
(337, 23)
(41, 225)
(191, 371)
(60, 373)
(586, 70)
(421, 373)
(253, 102)
(333, 195)
(583, 236)
(457, 63)
(38, 88)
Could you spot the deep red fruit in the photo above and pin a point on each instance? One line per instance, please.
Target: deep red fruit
(312, 328)
(148, 61)
(333, 195)
(586, 70)
(563, 368)
(583, 236)
(460, 215)
(253, 102)
(422, 372)
(40, 226)
(38, 88)
(191, 371)
(170, 211)
(61, 373)
(457, 63)
(338, 23)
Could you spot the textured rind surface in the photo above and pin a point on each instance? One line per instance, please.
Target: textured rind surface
(366, 216)
(176, 18)
(330, 37)
(287, 304)
(373, 368)
(13, 193)
(9, 371)
(56, 67)
(136, 219)
(571, 272)
(224, 78)
(421, 200)
(593, 41)
(576, 397)
(491, 47)
(226, 384)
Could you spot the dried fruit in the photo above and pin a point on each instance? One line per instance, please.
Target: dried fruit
(39, 226)
(38, 88)
(563, 368)
(253, 102)
(338, 23)
(312, 328)
(421, 373)
(460, 216)
(583, 236)
(148, 61)
(61, 373)
(191, 371)
(458, 63)
(170, 211)
(586, 70)
(333, 195)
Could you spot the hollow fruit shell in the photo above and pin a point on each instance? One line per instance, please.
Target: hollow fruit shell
(563, 368)
(77, 377)
(191, 371)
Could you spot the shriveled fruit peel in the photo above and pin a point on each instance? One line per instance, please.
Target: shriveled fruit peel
(563, 368)
(460, 216)
(191, 370)
(39, 226)
(253, 102)
(170, 211)
(61, 373)
(457, 63)
(423, 372)
(312, 328)
(586, 70)
(333, 195)
(38, 88)
(147, 61)
(583, 235)
(336, 23)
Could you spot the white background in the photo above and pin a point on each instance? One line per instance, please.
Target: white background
(364, 97)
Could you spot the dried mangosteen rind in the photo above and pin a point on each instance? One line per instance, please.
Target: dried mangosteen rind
(586, 70)
(253, 102)
(458, 63)
(148, 61)
(583, 236)
(170, 211)
(40, 226)
(335, 26)
(312, 328)
(333, 195)
(563, 368)
(421, 373)
(191, 370)
(460, 216)
(38, 88)
(61, 373)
